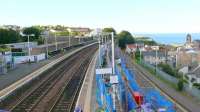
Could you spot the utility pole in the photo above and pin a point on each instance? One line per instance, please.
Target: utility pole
(113, 53)
(29, 52)
(99, 49)
(156, 61)
(56, 42)
(69, 40)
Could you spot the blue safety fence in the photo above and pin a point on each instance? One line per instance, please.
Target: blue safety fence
(99, 91)
(121, 87)
(131, 102)
(109, 103)
(104, 98)
(151, 96)
(130, 77)
(158, 101)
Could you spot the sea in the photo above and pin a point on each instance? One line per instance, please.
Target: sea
(170, 38)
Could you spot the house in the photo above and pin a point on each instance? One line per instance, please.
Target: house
(192, 72)
(196, 44)
(187, 56)
(131, 48)
(151, 57)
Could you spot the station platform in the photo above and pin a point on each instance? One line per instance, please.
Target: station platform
(27, 77)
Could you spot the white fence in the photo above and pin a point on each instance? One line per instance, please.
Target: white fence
(32, 58)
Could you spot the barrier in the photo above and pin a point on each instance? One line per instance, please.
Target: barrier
(151, 96)
(131, 103)
(32, 58)
(158, 101)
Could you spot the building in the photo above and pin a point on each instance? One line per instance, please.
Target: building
(196, 44)
(131, 48)
(188, 39)
(151, 58)
(187, 56)
(192, 72)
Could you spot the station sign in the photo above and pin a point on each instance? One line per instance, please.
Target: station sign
(104, 71)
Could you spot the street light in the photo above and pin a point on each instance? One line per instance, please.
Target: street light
(69, 39)
(28, 35)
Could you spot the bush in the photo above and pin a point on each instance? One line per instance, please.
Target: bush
(168, 69)
(180, 85)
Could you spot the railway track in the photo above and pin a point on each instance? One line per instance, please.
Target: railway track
(66, 77)
(66, 99)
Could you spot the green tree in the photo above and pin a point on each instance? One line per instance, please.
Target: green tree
(63, 33)
(109, 30)
(137, 55)
(167, 69)
(124, 38)
(9, 36)
(36, 31)
(32, 30)
(74, 33)
(180, 84)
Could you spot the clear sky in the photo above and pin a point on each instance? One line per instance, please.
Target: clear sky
(156, 16)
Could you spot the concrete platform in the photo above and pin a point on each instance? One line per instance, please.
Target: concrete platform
(87, 99)
(19, 83)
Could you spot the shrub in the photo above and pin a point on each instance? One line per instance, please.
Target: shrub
(180, 84)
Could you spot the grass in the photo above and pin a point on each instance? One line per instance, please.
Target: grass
(158, 76)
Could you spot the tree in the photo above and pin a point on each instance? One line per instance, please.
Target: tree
(32, 30)
(63, 33)
(180, 84)
(124, 38)
(137, 55)
(9, 36)
(74, 33)
(109, 30)
(167, 69)
(36, 31)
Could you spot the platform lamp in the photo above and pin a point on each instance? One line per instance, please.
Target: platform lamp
(27, 35)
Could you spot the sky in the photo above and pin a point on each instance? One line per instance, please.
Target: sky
(148, 16)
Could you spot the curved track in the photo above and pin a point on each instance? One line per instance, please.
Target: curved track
(64, 80)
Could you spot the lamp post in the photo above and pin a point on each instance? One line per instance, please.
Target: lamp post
(56, 42)
(140, 56)
(156, 49)
(28, 35)
(156, 61)
(113, 54)
(79, 40)
(99, 49)
(69, 39)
